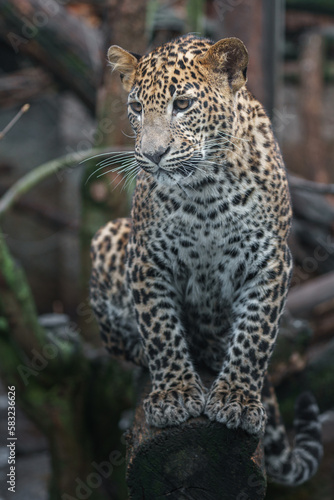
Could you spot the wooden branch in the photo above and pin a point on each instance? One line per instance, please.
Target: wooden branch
(198, 460)
(14, 120)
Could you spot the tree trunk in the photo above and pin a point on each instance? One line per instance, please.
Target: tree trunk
(311, 95)
(104, 198)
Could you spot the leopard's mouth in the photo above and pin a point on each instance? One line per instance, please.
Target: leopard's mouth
(173, 173)
(170, 177)
(186, 170)
(182, 170)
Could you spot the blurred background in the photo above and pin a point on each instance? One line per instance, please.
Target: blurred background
(53, 57)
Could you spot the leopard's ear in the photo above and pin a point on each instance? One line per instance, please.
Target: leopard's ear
(228, 56)
(124, 62)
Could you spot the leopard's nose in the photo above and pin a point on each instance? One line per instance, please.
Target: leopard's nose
(156, 156)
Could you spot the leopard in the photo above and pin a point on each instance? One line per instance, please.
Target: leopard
(198, 275)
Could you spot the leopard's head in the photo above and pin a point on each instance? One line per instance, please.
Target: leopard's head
(182, 102)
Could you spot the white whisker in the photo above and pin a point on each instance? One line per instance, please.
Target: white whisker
(106, 154)
(129, 136)
(130, 178)
(223, 134)
(127, 170)
(128, 162)
(118, 183)
(116, 159)
(123, 164)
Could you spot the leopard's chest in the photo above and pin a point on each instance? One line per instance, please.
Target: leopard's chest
(204, 249)
(201, 256)
(205, 240)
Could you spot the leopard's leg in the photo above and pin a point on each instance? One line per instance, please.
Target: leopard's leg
(177, 391)
(235, 397)
(110, 295)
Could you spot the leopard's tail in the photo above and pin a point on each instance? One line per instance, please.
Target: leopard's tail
(285, 464)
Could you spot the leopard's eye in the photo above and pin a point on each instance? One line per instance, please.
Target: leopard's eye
(135, 106)
(182, 104)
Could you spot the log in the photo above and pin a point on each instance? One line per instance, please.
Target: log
(46, 32)
(197, 460)
(312, 208)
(304, 298)
(56, 167)
(305, 185)
(23, 86)
(52, 218)
(311, 242)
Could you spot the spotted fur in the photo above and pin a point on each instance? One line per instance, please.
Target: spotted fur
(200, 273)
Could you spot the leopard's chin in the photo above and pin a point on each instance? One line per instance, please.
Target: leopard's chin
(166, 178)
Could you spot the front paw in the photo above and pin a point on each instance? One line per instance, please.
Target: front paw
(236, 410)
(174, 406)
